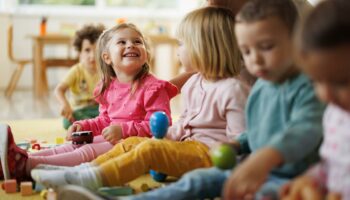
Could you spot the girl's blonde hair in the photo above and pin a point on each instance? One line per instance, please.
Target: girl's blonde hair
(209, 37)
(107, 72)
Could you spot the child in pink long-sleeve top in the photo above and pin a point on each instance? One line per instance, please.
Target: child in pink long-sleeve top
(127, 96)
(214, 112)
(325, 50)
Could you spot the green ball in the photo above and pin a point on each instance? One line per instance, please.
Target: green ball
(223, 157)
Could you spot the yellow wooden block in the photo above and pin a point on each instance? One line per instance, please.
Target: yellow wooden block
(59, 140)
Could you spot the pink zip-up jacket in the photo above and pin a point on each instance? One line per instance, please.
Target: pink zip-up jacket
(131, 111)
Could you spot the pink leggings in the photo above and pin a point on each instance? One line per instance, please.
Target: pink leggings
(70, 155)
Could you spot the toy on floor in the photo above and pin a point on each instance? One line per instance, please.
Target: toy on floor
(115, 191)
(59, 140)
(10, 186)
(82, 137)
(144, 187)
(26, 188)
(159, 124)
(223, 157)
(33, 145)
(36, 146)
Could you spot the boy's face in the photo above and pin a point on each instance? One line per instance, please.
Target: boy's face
(266, 47)
(330, 71)
(87, 54)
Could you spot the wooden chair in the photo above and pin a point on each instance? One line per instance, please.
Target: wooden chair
(158, 40)
(56, 62)
(20, 64)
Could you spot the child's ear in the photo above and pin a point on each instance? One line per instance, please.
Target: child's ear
(106, 58)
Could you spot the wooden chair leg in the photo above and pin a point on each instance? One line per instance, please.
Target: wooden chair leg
(14, 80)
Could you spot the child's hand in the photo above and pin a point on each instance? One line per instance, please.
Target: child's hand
(112, 133)
(73, 128)
(235, 144)
(303, 188)
(333, 196)
(67, 112)
(247, 178)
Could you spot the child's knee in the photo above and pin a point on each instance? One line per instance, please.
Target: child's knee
(131, 141)
(148, 146)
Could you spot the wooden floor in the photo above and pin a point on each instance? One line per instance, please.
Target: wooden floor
(23, 105)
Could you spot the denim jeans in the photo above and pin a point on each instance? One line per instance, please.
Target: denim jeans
(206, 183)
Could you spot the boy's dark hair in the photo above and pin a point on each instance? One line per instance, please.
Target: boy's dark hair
(327, 25)
(89, 32)
(255, 10)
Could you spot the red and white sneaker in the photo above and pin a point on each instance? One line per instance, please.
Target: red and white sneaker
(13, 158)
(1, 174)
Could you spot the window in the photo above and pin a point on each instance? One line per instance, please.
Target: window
(143, 3)
(162, 9)
(147, 4)
(57, 2)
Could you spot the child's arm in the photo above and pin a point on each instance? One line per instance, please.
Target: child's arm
(157, 98)
(311, 185)
(97, 124)
(60, 92)
(302, 188)
(247, 178)
(181, 79)
(176, 131)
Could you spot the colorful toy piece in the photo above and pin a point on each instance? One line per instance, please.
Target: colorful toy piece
(144, 187)
(59, 140)
(26, 188)
(159, 124)
(82, 137)
(43, 194)
(36, 146)
(10, 186)
(224, 157)
(157, 176)
(115, 191)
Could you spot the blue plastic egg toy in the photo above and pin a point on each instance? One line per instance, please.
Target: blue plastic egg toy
(159, 177)
(159, 124)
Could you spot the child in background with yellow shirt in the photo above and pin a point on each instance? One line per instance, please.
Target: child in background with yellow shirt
(81, 79)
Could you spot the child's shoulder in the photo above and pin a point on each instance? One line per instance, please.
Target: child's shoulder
(222, 86)
(294, 83)
(232, 85)
(75, 68)
(152, 83)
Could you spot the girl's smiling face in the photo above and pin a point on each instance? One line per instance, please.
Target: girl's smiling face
(126, 52)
